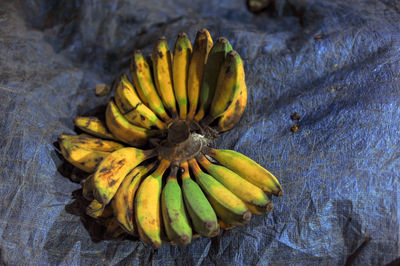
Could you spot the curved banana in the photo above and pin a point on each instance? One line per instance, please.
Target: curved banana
(145, 87)
(234, 112)
(162, 70)
(96, 209)
(91, 143)
(82, 158)
(93, 126)
(147, 207)
(247, 168)
(132, 107)
(215, 60)
(176, 223)
(180, 68)
(201, 213)
(125, 131)
(230, 81)
(123, 202)
(250, 194)
(201, 48)
(113, 169)
(229, 208)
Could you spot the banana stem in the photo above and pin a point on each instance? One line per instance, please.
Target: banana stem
(173, 172)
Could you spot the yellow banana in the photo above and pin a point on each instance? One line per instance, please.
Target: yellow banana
(93, 126)
(250, 194)
(201, 213)
(145, 87)
(234, 112)
(215, 60)
(248, 169)
(201, 48)
(125, 131)
(176, 222)
(123, 201)
(225, 226)
(91, 143)
(162, 70)
(180, 68)
(132, 107)
(82, 158)
(147, 207)
(113, 169)
(230, 81)
(96, 209)
(228, 206)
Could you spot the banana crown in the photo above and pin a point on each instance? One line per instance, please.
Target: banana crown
(151, 172)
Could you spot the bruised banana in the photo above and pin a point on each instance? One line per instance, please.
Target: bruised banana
(250, 194)
(162, 71)
(176, 222)
(234, 112)
(215, 60)
(87, 188)
(132, 107)
(113, 169)
(147, 207)
(123, 202)
(180, 68)
(80, 157)
(202, 215)
(113, 230)
(91, 143)
(228, 207)
(248, 169)
(125, 131)
(142, 77)
(229, 85)
(201, 48)
(94, 126)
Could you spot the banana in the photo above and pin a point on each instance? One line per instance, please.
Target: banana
(91, 143)
(125, 131)
(82, 158)
(93, 126)
(113, 169)
(162, 70)
(247, 168)
(215, 60)
(123, 201)
(201, 48)
(234, 112)
(96, 209)
(225, 226)
(176, 222)
(229, 208)
(87, 188)
(145, 87)
(250, 194)
(113, 230)
(180, 68)
(201, 213)
(230, 81)
(132, 107)
(147, 207)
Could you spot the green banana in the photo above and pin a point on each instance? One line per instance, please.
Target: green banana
(229, 208)
(215, 60)
(176, 222)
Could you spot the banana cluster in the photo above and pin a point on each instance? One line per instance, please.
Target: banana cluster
(151, 171)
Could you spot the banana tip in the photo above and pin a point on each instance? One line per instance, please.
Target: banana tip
(246, 216)
(269, 207)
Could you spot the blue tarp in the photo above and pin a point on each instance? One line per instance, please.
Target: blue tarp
(335, 63)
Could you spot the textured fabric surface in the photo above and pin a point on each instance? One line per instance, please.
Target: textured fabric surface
(335, 63)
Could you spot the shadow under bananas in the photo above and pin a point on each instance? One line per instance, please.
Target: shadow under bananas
(99, 229)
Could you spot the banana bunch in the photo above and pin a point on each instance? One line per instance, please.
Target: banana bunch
(152, 173)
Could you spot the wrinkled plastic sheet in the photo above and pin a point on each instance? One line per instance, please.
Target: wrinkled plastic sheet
(334, 63)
